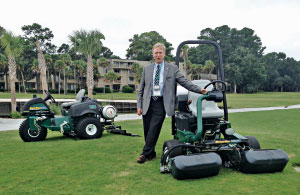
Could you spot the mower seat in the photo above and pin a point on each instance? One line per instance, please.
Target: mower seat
(79, 97)
(209, 108)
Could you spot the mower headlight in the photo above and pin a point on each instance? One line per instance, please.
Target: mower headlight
(109, 112)
(230, 131)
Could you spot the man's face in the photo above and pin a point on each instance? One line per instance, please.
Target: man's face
(158, 55)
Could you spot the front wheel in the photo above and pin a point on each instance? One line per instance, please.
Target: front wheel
(29, 135)
(89, 128)
(253, 142)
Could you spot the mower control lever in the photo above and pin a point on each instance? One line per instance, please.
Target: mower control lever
(215, 95)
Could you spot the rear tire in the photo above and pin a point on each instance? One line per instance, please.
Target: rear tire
(89, 128)
(28, 135)
(253, 142)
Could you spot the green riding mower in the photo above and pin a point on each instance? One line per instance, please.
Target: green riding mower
(83, 118)
(204, 139)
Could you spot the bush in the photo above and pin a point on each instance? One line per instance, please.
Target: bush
(70, 91)
(100, 90)
(55, 108)
(31, 90)
(127, 89)
(16, 114)
(53, 91)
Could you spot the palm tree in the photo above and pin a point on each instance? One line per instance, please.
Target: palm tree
(184, 54)
(68, 62)
(13, 48)
(42, 67)
(104, 63)
(88, 43)
(49, 65)
(4, 68)
(111, 76)
(137, 70)
(80, 66)
(59, 66)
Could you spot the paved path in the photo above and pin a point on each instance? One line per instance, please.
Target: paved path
(13, 124)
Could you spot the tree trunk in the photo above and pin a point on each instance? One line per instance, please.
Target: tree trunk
(52, 81)
(74, 72)
(235, 88)
(22, 75)
(65, 81)
(90, 76)
(58, 82)
(12, 79)
(112, 92)
(42, 67)
(38, 83)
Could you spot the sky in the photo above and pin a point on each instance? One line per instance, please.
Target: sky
(274, 21)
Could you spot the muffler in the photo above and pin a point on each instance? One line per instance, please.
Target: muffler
(196, 165)
(263, 161)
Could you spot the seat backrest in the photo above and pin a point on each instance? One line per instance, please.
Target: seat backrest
(210, 109)
(79, 95)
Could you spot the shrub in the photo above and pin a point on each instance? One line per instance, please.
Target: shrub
(127, 89)
(16, 114)
(107, 90)
(70, 91)
(98, 89)
(31, 90)
(53, 91)
(55, 108)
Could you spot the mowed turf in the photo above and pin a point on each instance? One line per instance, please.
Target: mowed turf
(62, 165)
(255, 100)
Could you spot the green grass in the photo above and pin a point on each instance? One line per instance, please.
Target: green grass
(266, 99)
(234, 100)
(62, 165)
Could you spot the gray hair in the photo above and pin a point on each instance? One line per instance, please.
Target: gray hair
(159, 45)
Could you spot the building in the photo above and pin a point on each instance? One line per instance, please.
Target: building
(75, 82)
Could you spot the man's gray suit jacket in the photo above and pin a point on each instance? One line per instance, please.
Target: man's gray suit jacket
(171, 76)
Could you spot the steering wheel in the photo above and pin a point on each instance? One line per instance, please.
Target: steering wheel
(214, 84)
(49, 96)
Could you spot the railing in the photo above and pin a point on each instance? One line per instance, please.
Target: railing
(123, 106)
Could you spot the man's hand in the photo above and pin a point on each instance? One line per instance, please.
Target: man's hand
(203, 91)
(139, 111)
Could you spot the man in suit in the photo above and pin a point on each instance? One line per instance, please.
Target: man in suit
(156, 97)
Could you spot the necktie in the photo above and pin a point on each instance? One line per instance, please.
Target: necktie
(156, 80)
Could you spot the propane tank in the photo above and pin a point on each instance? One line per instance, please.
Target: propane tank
(109, 112)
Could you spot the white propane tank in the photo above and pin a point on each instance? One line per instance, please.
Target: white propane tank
(109, 112)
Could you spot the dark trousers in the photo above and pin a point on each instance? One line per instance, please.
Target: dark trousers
(153, 121)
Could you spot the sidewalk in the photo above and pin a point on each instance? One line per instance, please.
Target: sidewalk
(13, 124)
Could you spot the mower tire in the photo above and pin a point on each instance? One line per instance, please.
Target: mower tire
(253, 142)
(169, 144)
(28, 135)
(89, 128)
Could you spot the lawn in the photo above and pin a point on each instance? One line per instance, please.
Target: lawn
(62, 165)
(254, 100)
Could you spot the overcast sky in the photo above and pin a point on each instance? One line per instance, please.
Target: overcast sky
(276, 22)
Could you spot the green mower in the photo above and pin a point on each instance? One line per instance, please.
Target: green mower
(83, 118)
(204, 139)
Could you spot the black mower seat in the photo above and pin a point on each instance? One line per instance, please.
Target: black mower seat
(79, 97)
(209, 108)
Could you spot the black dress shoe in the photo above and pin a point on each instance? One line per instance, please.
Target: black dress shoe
(141, 159)
(151, 157)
